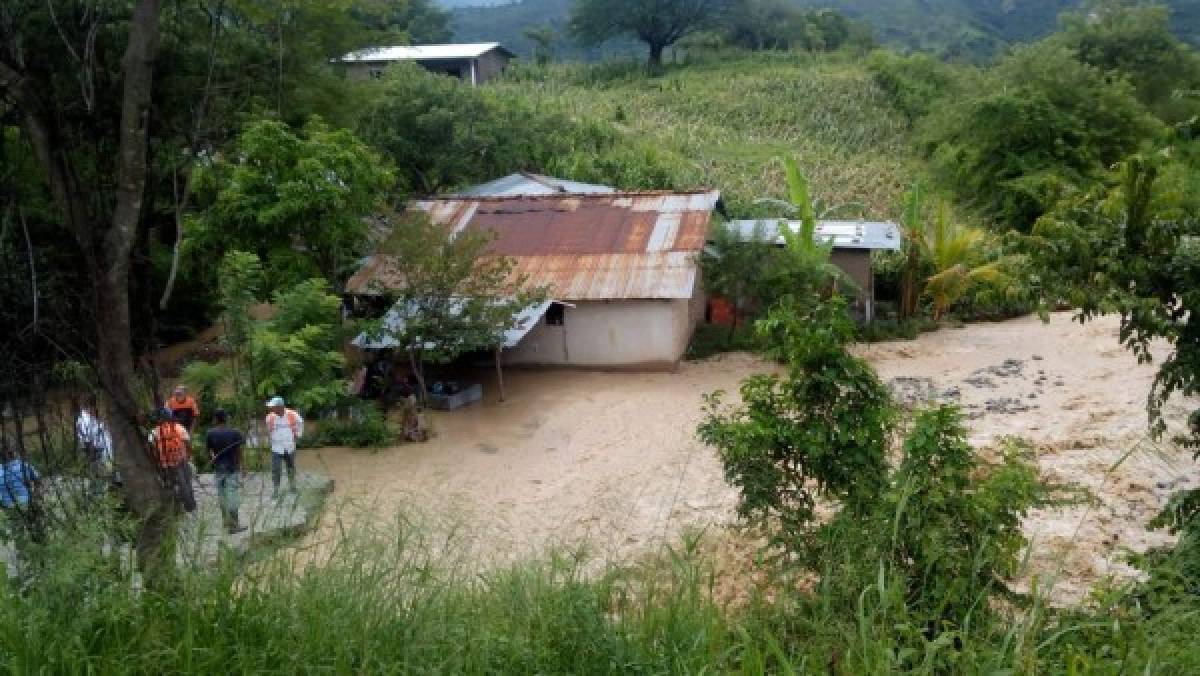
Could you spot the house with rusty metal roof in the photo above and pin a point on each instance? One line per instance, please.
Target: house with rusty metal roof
(622, 270)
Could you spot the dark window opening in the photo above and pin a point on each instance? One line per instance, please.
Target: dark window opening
(376, 73)
(556, 314)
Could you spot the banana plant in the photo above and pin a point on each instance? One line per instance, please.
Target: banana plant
(809, 263)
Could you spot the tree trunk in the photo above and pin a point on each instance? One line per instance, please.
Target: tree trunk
(145, 493)
(418, 368)
(910, 292)
(500, 371)
(656, 55)
(108, 253)
(107, 244)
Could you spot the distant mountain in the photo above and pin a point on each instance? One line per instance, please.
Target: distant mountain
(485, 21)
(455, 4)
(967, 29)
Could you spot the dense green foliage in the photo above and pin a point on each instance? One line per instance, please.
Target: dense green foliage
(821, 431)
(296, 352)
(1041, 119)
(442, 134)
(1128, 248)
(299, 200)
(776, 24)
(964, 30)
(1048, 118)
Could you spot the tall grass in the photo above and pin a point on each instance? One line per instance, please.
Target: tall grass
(388, 600)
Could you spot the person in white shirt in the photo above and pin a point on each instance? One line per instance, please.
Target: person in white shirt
(96, 444)
(284, 428)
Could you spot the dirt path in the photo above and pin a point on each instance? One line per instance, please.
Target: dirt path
(612, 458)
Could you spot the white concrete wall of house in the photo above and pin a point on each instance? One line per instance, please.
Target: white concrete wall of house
(695, 315)
(473, 71)
(489, 66)
(361, 71)
(619, 334)
(856, 263)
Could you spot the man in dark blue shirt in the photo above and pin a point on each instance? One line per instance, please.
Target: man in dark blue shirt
(224, 446)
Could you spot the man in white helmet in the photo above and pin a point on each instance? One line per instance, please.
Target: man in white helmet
(284, 428)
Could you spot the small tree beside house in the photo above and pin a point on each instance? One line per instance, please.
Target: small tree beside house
(451, 297)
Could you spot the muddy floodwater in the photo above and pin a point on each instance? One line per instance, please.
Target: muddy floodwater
(611, 459)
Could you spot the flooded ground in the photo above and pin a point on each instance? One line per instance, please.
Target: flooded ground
(606, 458)
(612, 459)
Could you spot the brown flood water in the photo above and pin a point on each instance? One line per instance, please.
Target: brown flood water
(611, 459)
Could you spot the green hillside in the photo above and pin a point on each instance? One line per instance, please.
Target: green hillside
(725, 122)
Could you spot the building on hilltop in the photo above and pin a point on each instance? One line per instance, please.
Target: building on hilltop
(621, 269)
(853, 242)
(474, 63)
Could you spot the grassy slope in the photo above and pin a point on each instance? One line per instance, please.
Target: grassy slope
(725, 123)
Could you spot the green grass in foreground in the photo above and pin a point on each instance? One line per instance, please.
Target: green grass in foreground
(386, 603)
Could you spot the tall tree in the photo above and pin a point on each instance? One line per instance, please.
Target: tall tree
(297, 198)
(115, 101)
(105, 228)
(658, 23)
(543, 38)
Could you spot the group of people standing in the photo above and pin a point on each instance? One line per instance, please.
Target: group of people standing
(171, 439)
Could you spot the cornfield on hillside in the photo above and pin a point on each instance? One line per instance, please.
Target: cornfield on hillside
(725, 124)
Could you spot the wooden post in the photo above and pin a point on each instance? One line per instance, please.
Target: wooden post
(500, 372)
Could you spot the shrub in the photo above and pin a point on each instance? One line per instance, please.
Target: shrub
(361, 427)
(711, 339)
(820, 431)
(205, 379)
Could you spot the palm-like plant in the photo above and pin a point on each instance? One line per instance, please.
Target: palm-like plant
(957, 254)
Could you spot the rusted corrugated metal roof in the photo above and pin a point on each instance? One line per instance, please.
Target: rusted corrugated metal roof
(582, 247)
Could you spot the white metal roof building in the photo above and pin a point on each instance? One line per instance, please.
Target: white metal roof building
(474, 62)
(872, 235)
(853, 243)
(422, 52)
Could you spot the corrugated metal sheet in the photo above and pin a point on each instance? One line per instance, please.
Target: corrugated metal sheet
(532, 184)
(395, 320)
(582, 247)
(423, 52)
(875, 235)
